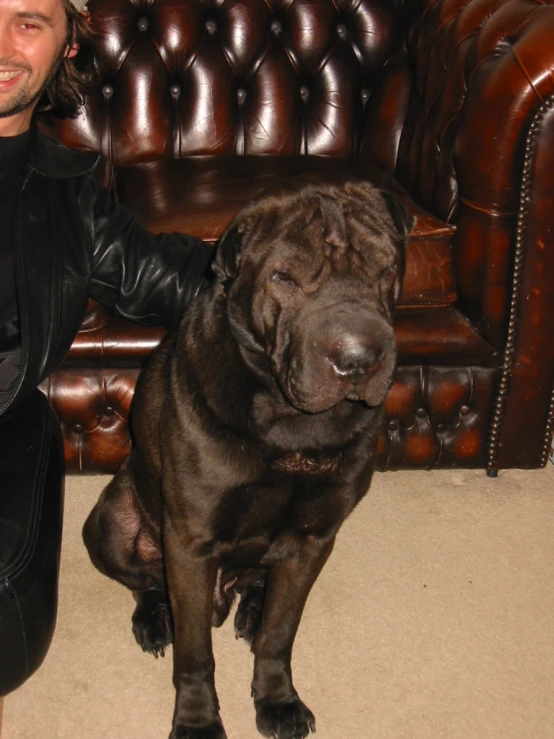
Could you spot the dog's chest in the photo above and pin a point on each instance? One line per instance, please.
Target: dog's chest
(269, 521)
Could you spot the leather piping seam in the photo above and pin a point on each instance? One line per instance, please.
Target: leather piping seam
(510, 349)
(23, 633)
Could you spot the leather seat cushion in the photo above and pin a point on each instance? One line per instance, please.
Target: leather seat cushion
(200, 195)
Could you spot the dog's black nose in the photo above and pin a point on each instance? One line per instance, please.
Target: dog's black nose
(354, 356)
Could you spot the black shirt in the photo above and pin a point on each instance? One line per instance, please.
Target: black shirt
(14, 151)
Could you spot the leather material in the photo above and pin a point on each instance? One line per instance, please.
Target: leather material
(251, 77)
(435, 417)
(71, 241)
(531, 335)
(31, 503)
(452, 98)
(442, 337)
(481, 71)
(94, 403)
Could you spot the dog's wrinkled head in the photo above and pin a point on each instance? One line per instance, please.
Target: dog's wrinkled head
(312, 271)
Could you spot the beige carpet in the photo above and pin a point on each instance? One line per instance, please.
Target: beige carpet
(433, 618)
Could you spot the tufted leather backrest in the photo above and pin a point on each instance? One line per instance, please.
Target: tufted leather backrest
(440, 93)
(192, 77)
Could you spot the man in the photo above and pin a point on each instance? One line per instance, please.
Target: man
(62, 240)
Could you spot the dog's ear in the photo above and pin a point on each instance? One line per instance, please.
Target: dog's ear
(403, 221)
(227, 260)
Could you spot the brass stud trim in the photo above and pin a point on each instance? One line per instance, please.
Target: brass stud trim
(509, 352)
(549, 431)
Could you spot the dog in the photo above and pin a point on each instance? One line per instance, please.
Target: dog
(255, 430)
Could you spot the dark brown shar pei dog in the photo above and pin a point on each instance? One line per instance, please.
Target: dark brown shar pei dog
(254, 436)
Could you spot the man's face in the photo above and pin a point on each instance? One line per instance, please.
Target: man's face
(32, 43)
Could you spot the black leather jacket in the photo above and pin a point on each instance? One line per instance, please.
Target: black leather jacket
(72, 242)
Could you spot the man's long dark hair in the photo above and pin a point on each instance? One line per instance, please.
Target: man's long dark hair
(64, 93)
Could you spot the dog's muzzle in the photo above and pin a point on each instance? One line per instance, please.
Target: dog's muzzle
(351, 356)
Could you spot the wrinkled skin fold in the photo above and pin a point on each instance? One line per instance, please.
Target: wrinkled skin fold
(255, 432)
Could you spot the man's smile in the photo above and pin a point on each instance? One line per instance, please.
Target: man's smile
(9, 77)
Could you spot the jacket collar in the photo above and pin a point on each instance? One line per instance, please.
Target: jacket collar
(50, 158)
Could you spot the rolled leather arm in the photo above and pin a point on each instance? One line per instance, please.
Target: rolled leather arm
(477, 150)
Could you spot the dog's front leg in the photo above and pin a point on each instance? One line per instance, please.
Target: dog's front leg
(191, 579)
(279, 711)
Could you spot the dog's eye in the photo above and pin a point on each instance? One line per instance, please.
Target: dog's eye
(282, 276)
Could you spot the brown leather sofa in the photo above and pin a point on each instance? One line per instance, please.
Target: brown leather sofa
(200, 104)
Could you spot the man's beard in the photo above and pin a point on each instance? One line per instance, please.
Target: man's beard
(26, 98)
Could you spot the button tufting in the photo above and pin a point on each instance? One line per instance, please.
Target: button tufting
(304, 93)
(276, 26)
(241, 96)
(78, 429)
(109, 411)
(107, 91)
(175, 90)
(365, 95)
(341, 30)
(465, 410)
(143, 24)
(211, 27)
(393, 425)
(421, 413)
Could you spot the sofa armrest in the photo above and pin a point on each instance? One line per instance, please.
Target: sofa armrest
(480, 78)
(477, 150)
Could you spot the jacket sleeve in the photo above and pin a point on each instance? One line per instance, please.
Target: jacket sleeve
(147, 278)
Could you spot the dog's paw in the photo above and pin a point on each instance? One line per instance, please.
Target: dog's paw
(284, 720)
(248, 617)
(152, 625)
(215, 731)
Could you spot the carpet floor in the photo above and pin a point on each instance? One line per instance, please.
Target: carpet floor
(433, 618)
